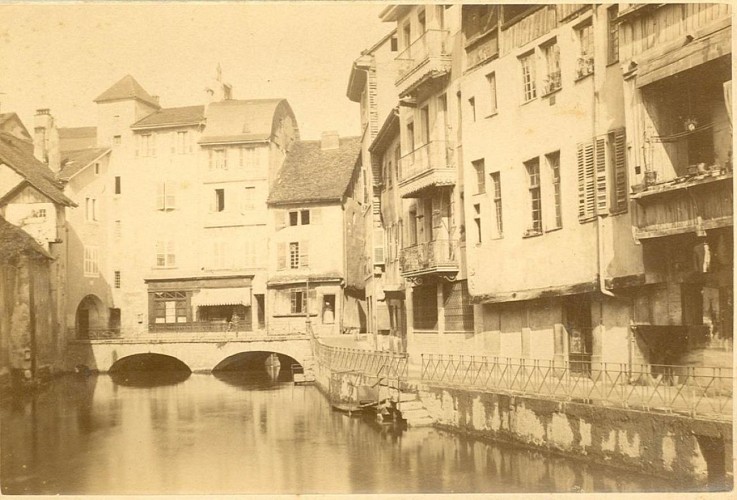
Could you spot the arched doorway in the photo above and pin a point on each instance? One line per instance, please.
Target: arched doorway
(90, 317)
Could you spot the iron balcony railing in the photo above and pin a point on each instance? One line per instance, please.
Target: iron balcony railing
(691, 390)
(432, 44)
(199, 326)
(96, 333)
(440, 253)
(434, 155)
(369, 363)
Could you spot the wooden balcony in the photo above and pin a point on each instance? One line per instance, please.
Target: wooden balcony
(432, 257)
(684, 205)
(428, 166)
(426, 60)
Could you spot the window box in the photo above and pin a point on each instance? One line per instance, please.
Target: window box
(531, 233)
(584, 67)
(552, 83)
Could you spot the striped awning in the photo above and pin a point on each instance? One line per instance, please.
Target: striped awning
(222, 297)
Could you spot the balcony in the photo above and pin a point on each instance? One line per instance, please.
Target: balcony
(433, 257)
(424, 61)
(428, 166)
(684, 205)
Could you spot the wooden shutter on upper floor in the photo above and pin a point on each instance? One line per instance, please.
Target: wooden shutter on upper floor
(602, 198)
(315, 216)
(304, 253)
(619, 176)
(279, 219)
(160, 196)
(281, 256)
(586, 181)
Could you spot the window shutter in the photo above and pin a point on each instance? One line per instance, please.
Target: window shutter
(378, 246)
(279, 219)
(160, 196)
(315, 214)
(171, 195)
(210, 158)
(138, 145)
(170, 253)
(304, 253)
(602, 198)
(620, 172)
(586, 195)
(312, 301)
(281, 256)
(173, 139)
(153, 144)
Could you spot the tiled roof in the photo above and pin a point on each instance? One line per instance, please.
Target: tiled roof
(240, 120)
(18, 155)
(311, 174)
(127, 88)
(72, 162)
(14, 241)
(187, 115)
(77, 132)
(5, 117)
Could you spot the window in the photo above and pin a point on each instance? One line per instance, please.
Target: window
(165, 256)
(90, 209)
(613, 38)
(118, 229)
(477, 221)
(421, 21)
(585, 63)
(491, 79)
(412, 227)
(410, 136)
(472, 108)
(116, 279)
(249, 198)
(166, 196)
(91, 268)
(117, 184)
(169, 307)
(407, 34)
(222, 255)
(97, 169)
(457, 307)
(294, 218)
(116, 140)
(533, 175)
(424, 125)
(552, 62)
(294, 255)
(425, 307)
(529, 91)
(146, 145)
(394, 45)
(480, 168)
(248, 157)
(305, 217)
(297, 301)
(553, 160)
(182, 142)
(496, 181)
(602, 176)
(219, 200)
(218, 159)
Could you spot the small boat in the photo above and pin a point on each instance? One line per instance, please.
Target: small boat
(298, 375)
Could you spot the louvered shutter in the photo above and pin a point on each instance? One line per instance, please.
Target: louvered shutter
(160, 196)
(279, 219)
(171, 195)
(304, 253)
(153, 144)
(173, 140)
(378, 246)
(281, 256)
(602, 198)
(586, 182)
(620, 172)
(315, 216)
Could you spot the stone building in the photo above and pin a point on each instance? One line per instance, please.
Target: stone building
(316, 234)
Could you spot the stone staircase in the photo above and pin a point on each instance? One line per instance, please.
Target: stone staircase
(413, 411)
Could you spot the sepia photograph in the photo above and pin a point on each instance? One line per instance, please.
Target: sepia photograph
(361, 247)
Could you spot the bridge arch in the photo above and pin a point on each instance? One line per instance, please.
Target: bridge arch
(256, 359)
(147, 361)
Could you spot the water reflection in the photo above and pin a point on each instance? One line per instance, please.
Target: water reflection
(252, 432)
(149, 378)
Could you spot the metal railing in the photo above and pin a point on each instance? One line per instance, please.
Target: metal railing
(435, 154)
(431, 44)
(369, 363)
(428, 255)
(199, 326)
(96, 333)
(691, 390)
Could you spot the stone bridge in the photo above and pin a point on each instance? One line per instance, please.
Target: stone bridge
(199, 354)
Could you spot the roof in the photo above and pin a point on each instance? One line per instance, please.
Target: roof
(14, 241)
(18, 155)
(388, 131)
(311, 174)
(73, 162)
(77, 132)
(127, 88)
(7, 117)
(167, 117)
(236, 120)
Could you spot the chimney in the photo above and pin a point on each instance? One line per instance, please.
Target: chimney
(329, 140)
(156, 99)
(46, 139)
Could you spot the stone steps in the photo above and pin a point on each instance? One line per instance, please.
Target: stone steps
(413, 411)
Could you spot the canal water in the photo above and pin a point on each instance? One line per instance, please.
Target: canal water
(249, 432)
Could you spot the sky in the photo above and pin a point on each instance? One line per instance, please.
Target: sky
(63, 56)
